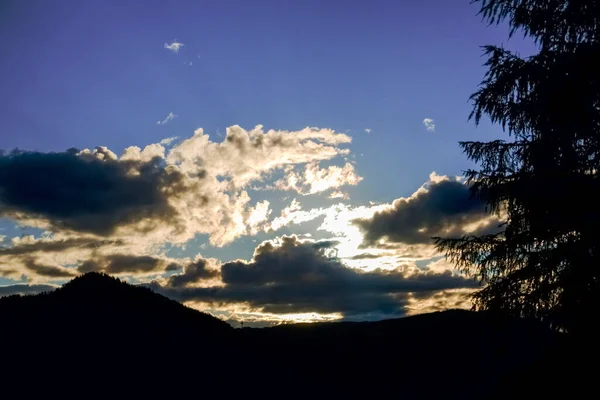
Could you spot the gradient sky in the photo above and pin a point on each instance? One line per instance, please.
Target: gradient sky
(82, 74)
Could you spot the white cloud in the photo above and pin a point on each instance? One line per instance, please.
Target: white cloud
(189, 63)
(293, 214)
(429, 124)
(174, 46)
(338, 194)
(368, 130)
(203, 182)
(316, 180)
(258, 217)
(211, 197)
(168, 141)
(168, 118)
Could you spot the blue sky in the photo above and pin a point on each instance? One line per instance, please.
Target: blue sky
(96, 73)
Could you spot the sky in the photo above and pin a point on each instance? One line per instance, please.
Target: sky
(263, 161)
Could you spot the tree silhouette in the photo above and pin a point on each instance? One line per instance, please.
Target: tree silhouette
(544, 181)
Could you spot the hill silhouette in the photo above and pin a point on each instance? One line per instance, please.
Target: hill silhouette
(99, 329)
(99, 305)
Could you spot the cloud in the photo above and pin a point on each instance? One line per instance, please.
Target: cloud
(440, 301)
(338, 194)
(168, 141)
(441, 266)
(314, 179)
(368, 130)
(28, 245)
(197, 187)
(94, 204)
(289, 275)
(21, 289)
(188, 63)
(258, 217)
(196, 271)
(168, 118)
(429, 124)
(87, 192)
(125, 264)
(40, 259)
(49, 271)
(442, 207)
(293, 214)
(174, 46)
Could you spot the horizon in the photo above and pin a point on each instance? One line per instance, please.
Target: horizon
(283, 163)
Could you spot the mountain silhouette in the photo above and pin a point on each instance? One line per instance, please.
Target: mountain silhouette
(97, 331)
(98, 306)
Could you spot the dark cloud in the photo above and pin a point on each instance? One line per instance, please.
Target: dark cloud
(122, 263)
(83, 193)
(49, 271)
(366, 256)
(193, 272)
(56, 246)
(24, 289)
(173, 267)
(299, 277)
(442, 210)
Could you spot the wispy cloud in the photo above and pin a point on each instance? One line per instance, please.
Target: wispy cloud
(188, 63)
(174, 46)
(168, 141)
(168, 118)
(429, 124)
(368, 130)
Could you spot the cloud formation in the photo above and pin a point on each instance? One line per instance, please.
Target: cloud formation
(169, 117)
(294, 276)
(94, 204)
(49, 271)
(125, 264)
(429, 124)
(88, 192)
(168, 141)
(194, 273)
(314, 179)
(443, 207)
(121, 214)
(22, 289)
(174, 46)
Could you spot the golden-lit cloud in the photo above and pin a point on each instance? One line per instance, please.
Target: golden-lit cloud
(120, 214)
(440, 301)
(304, 278)
(314, 179)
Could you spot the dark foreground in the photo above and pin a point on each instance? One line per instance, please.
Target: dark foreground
(98, 336)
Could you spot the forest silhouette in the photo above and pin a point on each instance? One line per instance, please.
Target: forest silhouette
(533, 331)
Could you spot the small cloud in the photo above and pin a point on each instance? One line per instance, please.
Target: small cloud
(339, 195)
(169, 117)
(368, 130)
(198, 56)
(174, 46)
(429, 124)
(188, 63)
(168, 141)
